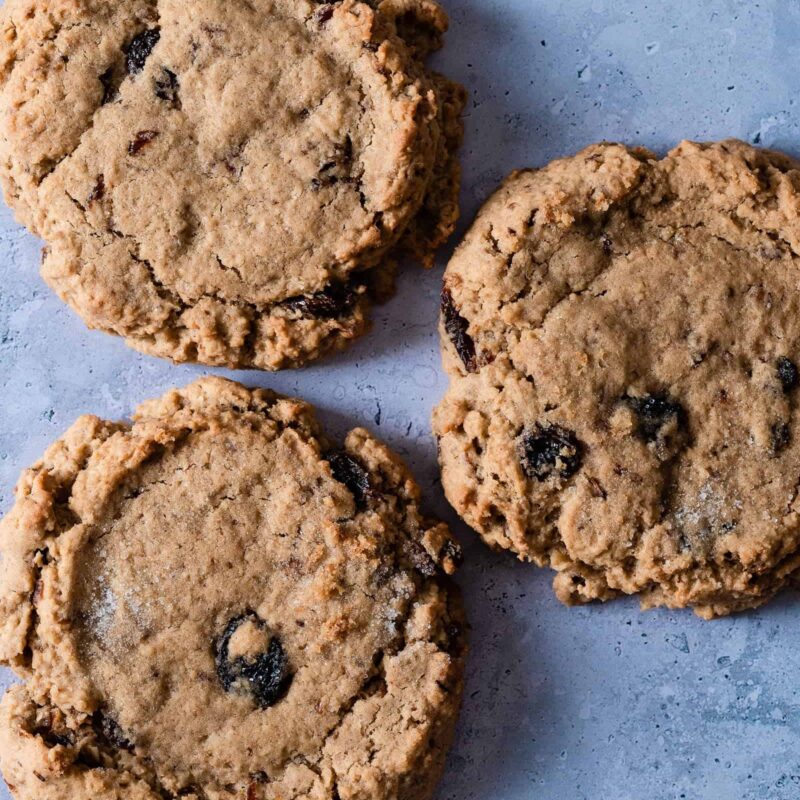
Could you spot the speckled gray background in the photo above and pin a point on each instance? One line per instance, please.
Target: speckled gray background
(598, 702)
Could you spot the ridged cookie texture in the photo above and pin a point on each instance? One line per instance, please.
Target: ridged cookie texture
(215, 602)
(226, 181)
(622, 335)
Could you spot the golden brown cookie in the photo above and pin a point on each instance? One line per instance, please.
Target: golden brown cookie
(215, 602)
(622, 334)
(227, 182)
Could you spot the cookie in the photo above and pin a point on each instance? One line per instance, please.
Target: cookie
(228, 182)
(216, 601)
(622, 335)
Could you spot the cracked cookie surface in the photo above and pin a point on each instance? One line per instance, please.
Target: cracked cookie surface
(217, 602)
(202, 170)
(622, 338)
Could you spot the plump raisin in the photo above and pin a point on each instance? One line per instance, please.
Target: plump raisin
(456, 328)
(333, 301)
(654, 412)
(265, 676)
(787, 373)
(140, 48)
(550, 450)
(780, 437)
(141, 140)
(167, 86)
(348, 471)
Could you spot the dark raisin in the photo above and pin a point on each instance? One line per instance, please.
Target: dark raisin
(780, 437)
(265, 676)
(456, 327)
(452, 550)
(607, 244)
(110, 730)
(324, 14)
(653, 412)
(787, 373)
(419, 558)
(348, 471)
(98, 190)
(142, 139)
(167, 86)
(53, 739)
(140, 48)
(549, 450)
(333, 301)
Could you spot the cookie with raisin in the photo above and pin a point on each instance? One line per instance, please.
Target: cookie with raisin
(217, 601)
(230, 183)
(622, 339)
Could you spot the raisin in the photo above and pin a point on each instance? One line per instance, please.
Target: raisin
(348, 471)
(607, 244)
(140, 48)
(324, 14)
(653, 412)
(52, 739)
(456, 328)
(419, 558)
(98, 190)
(787, 373)
(167, 86)
(452, 550)
(110, 730)
(337, 168)
(331, 302)
(266, 676)
(549, 450)
(780, 437)
(142, 139)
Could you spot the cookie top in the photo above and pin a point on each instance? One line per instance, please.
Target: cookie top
(217, 181)
(215, 602)
(622, 335)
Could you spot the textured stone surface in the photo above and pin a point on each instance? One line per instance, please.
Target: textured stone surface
(597, 702)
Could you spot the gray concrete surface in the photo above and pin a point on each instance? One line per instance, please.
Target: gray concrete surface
(599, 702)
